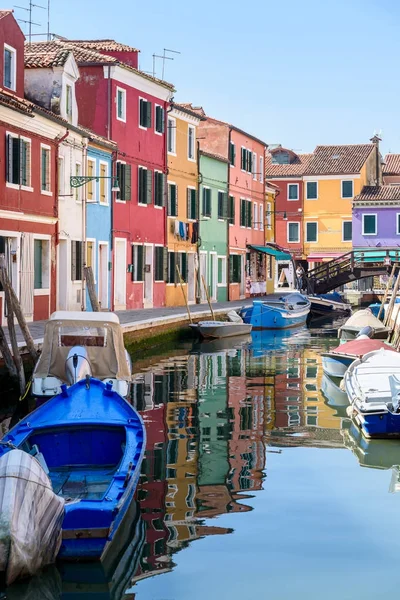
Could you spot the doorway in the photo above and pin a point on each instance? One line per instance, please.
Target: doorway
(203, 275)
(120, 274)
(213, 276)
(64, 275)
(103, 275)
(148, 277)
(191, 277)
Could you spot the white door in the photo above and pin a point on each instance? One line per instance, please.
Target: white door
(148, 276)
(213, 276)
(120, 274)
(63, 275)
(203, 275)
(191, 277)
(103, 275)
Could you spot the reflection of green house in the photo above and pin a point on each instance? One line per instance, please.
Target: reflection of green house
(214, 425)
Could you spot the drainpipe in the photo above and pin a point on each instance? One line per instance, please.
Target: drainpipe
(58, 141)
(227, 221)
(169, 109)
(84, 201)
(198, 288)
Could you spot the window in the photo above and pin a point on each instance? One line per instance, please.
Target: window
(261, 217)
(192, 204)
(347, 231)
(293, 232)
(232, 154)
(254, 166)
(312, 190)
(18, 161)
(269, 215)
(45, 169)
(76, 260)
(124, 176)
(121, 104)
(90, 254)
(159, 188)
(10, 67)
(159, 119)
(171, 135)
(61, 176)
(231, 210)
(206, 202)
(144, 113)
(245, 213)
(280, 158)
(222, 205)
(369, 224)
(41, 251)
(68, 102)
(293, 191)
(104, 183)
(246, 162)
(398, 224)
(172, 200)
(191, 142)
(347, 189)
(160, 263)
(261, 170)
(255, 215)
(235, 268)
(137, 272)
(91, 185)
(312, 231)
(145, 181)
(78, 191)
(177, 259)
(222, 271)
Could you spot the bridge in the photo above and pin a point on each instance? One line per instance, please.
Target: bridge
(350, 267)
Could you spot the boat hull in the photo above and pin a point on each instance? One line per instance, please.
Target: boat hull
(222, 329)
(378, 425)
(332, 392)
(335, 365)
(283, 314)
(321, 306)
(350, 333)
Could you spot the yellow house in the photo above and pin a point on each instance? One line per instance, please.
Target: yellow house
(182, 203)
(334, 176)
(270, 193)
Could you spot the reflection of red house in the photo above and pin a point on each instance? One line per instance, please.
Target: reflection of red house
(288, 395)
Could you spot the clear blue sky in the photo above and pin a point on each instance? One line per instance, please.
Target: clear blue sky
(290, 72)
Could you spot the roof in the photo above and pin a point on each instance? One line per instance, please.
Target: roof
(56, 57)
(213, 155)
(5, 12)
(378, 193)
(106, 45)
(339, 160)
(38, 53)
(391, 164)
(92, 317)
(16, 103)
(184, 108)
(294, 169)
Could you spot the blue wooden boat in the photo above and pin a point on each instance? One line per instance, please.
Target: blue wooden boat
(331, 303)
(92, 442)
(288, 311)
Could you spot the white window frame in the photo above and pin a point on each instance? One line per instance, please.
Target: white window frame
(61, 176)
(193, 129)
(297, 186)
(107, 202)
(311, 241)
(173, 135)
(192, 187)
(268, 214)
(123, 92)
(254, 161)
(155, 118)
(343, 240)
(118, 200)
(157, 206)
(261, 168)
(14, 67)
(224, 265)
(92, 241)
(17, 186)
(255, 215)
(91, 160)
(352, 189)
(311, 181)
(78, 191)
(298, 230)
(44, 291)
(261, 216)
(45, 192)
(144, 100)
(376, 223)
(68, 113)
(242, 148)
(138, 180)
(177, 206)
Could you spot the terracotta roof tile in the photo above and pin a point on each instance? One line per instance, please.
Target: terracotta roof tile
(214, 155)
(378, 193)
(104, 45)
(392, 164)
(5, 12)
(338, 160)
(188, 110)
(13, 101)
(57, 57)
(294, 169)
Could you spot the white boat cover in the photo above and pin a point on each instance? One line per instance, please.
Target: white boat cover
(363, 318)
(31, 516)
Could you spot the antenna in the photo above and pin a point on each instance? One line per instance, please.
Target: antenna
(30, 22)
(154, 63)
(166, 57)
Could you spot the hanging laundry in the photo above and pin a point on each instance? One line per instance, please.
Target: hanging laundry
(189, 231)
(182, 229)
(187, 236)
(195, 233)
(177, 228)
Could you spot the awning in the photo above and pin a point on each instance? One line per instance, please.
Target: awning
(324, 255)
(277, 254)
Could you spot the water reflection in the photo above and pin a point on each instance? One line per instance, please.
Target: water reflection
(213, 417)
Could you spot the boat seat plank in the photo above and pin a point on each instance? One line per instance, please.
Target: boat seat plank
(76, 483)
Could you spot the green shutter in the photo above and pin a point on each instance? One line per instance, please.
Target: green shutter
(193, 202)
(231, 208)
(142, 119)
(243, 159)
(138, 268)
(231, 269)
(225, 205)
(149, 186)
(165, 264)
(127, 182)
(38, 262)
(148, 114)
(24, 162)
(184, 266)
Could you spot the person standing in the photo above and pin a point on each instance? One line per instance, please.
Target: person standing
(300, 277)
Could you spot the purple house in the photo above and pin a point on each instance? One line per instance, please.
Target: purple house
(376, 218)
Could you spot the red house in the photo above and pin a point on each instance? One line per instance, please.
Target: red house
(285, 169)
(119, 102)
(28, 175)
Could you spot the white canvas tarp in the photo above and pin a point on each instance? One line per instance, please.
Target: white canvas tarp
(31, 516)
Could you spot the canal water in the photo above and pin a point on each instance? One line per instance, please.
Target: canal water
(254, 484)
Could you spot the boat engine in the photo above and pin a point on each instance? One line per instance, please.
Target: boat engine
(77, 365)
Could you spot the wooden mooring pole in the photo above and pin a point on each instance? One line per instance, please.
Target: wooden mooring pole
(184, 293)
(389, 283)
(94, 301)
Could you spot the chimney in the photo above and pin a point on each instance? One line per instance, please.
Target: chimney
(375, 140)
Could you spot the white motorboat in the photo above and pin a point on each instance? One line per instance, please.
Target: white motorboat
(336, 362)
(335, 396)
(372, 384)
(77, 344)
(223, 329)
(358, 321)
(31, 516)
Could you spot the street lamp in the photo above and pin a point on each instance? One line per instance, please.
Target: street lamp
(77, 181)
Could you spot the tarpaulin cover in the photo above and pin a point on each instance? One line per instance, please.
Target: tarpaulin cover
(31, 516)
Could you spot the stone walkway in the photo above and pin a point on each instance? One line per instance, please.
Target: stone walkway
(133, 320)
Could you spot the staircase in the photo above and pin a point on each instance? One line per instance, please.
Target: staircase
(347, 268)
